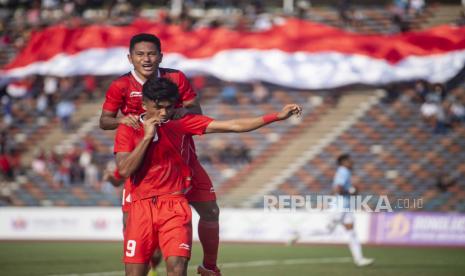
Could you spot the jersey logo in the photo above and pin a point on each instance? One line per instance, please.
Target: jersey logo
(185, 246)
(128, 198)
(135, 94)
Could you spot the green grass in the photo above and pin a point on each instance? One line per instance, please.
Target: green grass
(47, 258)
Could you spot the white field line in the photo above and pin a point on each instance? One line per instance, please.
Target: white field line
(331, 260)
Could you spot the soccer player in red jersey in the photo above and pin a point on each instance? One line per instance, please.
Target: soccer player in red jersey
(125, 95)
(153, 156)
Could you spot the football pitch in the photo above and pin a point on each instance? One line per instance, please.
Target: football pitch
(103, 259)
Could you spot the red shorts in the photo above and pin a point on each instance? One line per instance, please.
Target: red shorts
(201, 191)
(163, 222)
(125, 200)
(202, 188)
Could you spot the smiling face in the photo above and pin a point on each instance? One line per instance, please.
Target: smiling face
(145, 57)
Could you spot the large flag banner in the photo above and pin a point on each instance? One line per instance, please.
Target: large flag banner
(295, 53)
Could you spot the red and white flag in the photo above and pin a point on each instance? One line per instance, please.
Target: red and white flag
(295, 53)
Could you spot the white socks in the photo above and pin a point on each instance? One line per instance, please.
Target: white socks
(354, 245)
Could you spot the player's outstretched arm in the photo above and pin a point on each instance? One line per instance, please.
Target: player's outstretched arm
(109, 121)
(249, 124)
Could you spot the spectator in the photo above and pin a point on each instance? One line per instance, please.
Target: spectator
(229, 94)
(65, 111)
(417, 6)
(42, 105)
(303, 8)
(421, 89)
(461, 20)
(6, 168)
(62, 176)
(7, 110)
(260, 93)
(50, 90)
(90, 85)
(433, 109)
(344, 9)
(455, 107)
(39, 163)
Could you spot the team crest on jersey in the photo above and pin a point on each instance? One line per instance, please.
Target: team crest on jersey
(135, 94)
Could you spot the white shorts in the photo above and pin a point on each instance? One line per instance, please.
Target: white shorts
(342, 217)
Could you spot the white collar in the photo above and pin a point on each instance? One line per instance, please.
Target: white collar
(139, 80)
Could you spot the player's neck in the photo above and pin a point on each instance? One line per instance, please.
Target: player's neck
(141, 78)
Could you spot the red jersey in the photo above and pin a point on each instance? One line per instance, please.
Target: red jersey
(164, 169)
(125, 93)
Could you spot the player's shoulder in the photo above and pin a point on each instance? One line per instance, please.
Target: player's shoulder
(122, 80)
(125, 129)
(341, 170)
(190, 117)
(171, 73)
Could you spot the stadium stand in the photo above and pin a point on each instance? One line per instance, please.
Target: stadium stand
(396, 154)
(386, 162)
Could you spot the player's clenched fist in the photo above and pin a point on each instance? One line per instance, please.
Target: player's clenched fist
(289, 110)
(150, 126)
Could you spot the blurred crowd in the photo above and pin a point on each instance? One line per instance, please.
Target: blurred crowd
(72, 165)
(37, 103)
(34, 104)
(442, 109)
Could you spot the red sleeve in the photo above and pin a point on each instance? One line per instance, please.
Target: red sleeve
(186, 92)
(195, 124)
(113, 98)
(123, 139)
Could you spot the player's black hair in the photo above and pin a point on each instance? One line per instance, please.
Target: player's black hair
(160, 89)
(143, 37)
(343, 157)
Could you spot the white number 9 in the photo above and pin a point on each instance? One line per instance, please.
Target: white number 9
(131, 248)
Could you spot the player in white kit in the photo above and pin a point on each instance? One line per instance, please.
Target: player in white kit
(343, 188)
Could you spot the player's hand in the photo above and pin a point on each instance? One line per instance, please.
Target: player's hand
(130, 120)
(179, 113)
(150, 126)
(108, 175)
(289, 110)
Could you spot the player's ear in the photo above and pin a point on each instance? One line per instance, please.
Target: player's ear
(160, 58)
(144, 107)
(129, 58)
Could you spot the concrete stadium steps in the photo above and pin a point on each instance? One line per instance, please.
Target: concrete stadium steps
(85, 111)
(442, 14)
(274, 148)
(395, 153)
(259, 180)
